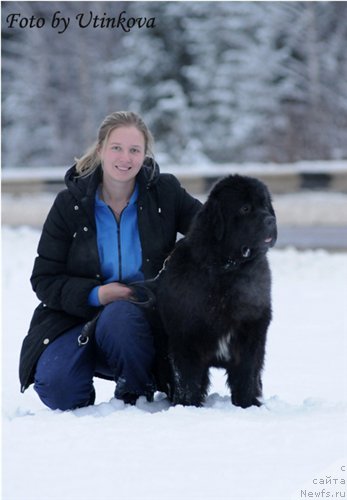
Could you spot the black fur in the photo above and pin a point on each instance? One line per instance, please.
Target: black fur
(214, 295)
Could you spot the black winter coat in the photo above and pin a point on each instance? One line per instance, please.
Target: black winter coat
(67, 266)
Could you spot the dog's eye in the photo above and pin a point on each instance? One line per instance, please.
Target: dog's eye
(245, 209)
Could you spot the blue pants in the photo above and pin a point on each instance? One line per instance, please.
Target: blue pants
(122, 349)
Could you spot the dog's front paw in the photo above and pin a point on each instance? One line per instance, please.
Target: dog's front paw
(245, 402)
(186, 397)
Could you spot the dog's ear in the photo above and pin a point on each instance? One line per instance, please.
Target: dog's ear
(215, 219)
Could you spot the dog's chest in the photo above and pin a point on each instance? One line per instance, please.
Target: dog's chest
(223, 348)
(242, 298)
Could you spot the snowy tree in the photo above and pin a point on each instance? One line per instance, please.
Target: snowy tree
(232, 95)
(312, 38)
(54, 84)
(215, 81)
(194, 78)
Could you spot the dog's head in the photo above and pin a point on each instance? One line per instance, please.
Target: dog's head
(238, 219)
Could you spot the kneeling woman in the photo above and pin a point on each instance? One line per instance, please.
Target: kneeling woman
(114, 224)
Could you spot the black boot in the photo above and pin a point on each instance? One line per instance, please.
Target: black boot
(90, 401)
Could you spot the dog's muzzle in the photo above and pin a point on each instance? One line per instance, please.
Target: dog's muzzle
(271, 230)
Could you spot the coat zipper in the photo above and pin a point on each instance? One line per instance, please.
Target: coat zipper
(119, 250)
(118, 244)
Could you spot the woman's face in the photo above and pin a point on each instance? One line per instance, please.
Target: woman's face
(123, 154)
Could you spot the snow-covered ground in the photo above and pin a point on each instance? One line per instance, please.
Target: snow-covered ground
(293, 447)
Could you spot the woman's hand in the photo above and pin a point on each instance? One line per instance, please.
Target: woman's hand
(113, 291)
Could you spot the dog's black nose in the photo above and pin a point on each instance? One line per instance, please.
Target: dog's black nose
(270, 222)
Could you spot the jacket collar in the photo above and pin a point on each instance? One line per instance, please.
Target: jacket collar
(133, 199)
(84, 188)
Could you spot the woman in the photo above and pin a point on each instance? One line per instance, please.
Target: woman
(114, 224)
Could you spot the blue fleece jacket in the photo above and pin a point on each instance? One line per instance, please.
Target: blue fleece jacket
(118, 244)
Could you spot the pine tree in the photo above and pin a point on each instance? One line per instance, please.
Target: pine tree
(215, 81)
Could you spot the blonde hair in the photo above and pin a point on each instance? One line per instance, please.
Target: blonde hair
(88, 163)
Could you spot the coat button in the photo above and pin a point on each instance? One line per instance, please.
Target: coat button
(76, 207)
(141, 207)
(74, 235)
(148, 260)
(46, 341)
(85, 229)
(97, 276)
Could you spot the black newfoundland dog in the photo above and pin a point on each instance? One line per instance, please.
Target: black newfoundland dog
(214, 294)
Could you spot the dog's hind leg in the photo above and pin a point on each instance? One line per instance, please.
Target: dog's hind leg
(191, 382)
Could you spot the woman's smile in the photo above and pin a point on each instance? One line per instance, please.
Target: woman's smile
(123, 168)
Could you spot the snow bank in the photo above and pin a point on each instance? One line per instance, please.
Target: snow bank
(310, 208)
(305, 208)
(218, 452)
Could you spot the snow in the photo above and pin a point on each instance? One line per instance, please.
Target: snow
(300, 209)
(219, 452)
(27, 173)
